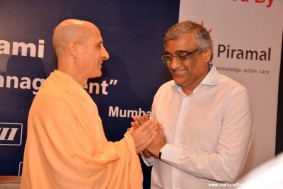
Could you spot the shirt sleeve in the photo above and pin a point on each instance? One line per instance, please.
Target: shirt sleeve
(148, 161)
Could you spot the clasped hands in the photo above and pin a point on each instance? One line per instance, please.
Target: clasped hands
(148, 135)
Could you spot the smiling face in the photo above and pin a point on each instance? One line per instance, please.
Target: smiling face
(190, 72)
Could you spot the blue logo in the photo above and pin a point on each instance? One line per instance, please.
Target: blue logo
(11, 134)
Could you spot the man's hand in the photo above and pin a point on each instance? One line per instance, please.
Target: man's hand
(158, 142)
(139, 120)
(144, 134)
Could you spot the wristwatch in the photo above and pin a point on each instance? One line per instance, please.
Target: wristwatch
(160, 154)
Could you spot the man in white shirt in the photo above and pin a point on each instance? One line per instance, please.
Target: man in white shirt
(206, 116)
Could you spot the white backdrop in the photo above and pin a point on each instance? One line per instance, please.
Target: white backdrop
(247, 47)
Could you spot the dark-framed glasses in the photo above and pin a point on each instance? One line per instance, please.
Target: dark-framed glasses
(179, 55)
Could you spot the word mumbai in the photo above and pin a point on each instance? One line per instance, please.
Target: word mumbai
(118, 112)
(227, 52)
(11, 134)
(22, 49)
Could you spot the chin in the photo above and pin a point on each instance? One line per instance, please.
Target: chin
(177, 81)
(98, 75)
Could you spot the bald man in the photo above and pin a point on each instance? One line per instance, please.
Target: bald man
(66, 147)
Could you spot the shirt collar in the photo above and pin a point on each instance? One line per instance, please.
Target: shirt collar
(212, 78)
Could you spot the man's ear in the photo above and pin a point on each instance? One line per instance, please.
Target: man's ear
(207, 55)
(73, 48)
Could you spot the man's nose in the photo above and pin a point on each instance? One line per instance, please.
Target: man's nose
(105, 54)
(175, 62)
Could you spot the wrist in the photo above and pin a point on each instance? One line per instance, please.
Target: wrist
(146, 154)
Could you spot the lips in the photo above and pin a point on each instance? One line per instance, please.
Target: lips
(179, 71)
(100, 64)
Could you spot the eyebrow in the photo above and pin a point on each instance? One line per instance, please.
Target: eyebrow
(177, 51)
(166, 52)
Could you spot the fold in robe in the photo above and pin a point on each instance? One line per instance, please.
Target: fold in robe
(66, 147)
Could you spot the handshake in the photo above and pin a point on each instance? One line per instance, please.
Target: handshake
(148, 135)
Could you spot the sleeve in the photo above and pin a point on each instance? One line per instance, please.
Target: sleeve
(74, 156)
(148, 161)
(235, 138)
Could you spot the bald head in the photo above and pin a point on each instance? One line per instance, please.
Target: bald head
(71, 30)
(79, 48)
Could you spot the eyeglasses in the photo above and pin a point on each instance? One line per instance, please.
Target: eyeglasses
(180, 56)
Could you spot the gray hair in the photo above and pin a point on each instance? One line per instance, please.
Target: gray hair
(202, 37)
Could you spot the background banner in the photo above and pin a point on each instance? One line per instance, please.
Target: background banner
(247, 46)
(247, 39)
(132, 33)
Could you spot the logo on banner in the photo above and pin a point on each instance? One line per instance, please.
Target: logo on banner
(11, 134)
(268, 3)
(228, 52)
(208, 30)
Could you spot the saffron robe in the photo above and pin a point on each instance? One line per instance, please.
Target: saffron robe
(66, 147)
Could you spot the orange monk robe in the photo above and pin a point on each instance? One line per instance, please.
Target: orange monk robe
(66, 147)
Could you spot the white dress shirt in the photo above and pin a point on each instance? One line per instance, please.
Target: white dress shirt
(208, 134)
